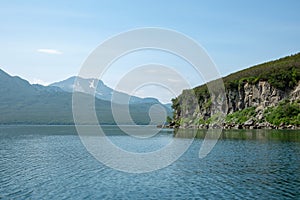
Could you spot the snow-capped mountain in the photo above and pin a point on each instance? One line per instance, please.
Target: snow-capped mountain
(103, 92)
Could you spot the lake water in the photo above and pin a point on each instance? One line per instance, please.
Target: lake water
(50, 162)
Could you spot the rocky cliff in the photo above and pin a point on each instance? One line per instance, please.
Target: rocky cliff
(250, 97)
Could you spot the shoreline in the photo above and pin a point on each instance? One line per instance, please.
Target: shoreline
(234, 127)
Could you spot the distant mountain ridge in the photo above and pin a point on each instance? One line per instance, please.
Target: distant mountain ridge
(102, 92)
(23, 103)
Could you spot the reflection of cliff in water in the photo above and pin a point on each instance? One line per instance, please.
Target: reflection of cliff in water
(261, 134)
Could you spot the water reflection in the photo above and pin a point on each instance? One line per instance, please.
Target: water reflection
(260, 134)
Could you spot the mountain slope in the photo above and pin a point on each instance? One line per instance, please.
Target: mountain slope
(23, 103)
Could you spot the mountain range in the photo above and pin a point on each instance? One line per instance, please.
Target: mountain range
(25, 103)
(102, 91)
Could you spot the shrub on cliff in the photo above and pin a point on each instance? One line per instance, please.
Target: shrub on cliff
(285, 113)
(241, 116)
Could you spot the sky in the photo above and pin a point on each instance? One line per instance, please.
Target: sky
(48, 41)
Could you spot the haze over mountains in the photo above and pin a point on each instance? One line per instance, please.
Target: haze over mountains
(23, 103)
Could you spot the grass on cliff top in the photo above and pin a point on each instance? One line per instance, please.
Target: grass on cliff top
(282, 74)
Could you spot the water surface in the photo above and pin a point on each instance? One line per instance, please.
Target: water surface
(50, 162)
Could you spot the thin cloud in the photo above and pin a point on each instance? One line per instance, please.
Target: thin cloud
(50, 51)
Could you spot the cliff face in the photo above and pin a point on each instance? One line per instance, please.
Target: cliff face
(295, 95)
(250, 96)
(261, 94)
(193, 112)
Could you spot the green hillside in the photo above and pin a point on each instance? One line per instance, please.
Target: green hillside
(282, 74)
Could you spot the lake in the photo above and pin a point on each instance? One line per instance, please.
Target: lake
(50, 162)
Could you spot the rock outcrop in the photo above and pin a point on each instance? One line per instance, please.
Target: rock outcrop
(194, 112)
(259, 95)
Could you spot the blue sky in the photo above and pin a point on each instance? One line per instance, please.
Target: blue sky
(47, 41)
